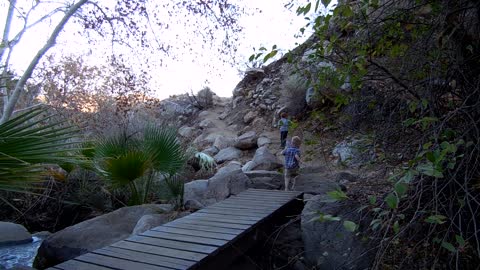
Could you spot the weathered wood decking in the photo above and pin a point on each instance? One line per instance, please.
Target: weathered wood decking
(207, 239)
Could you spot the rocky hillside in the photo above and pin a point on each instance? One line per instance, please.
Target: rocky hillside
(384, 108)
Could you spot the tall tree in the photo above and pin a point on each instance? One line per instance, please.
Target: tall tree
(134, 24)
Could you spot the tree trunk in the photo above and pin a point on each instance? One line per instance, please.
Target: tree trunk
(12, 100)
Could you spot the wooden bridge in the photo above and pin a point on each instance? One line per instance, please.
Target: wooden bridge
(207, 239)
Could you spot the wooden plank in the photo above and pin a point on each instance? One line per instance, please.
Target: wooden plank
(212, 235)
(261, 200)
(250, 210)
(263, 197)
(223, 220)
(259, 205)
(252, 207)
(229, 216)
(265, 202)
(155, 241)
(209, 223)
(263, 208)
(77, 265)
(279, 193)
(117, 263)
(144, 257)
(271, 191)
(167, 252)
(276, 196)
(255, 202)
(186, 238)
(236, 212)
(204, 228)
(272, 197)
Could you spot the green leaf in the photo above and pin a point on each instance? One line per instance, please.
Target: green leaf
(430, 156)
(429, 169)
(372, 199)
(436, 219)
(270, 55)
(409, 122)
(326, 3)
(424, 103)
(307, 8)
(350, 225)
(448, 246)
(401, 189)
(325, 217)
(29, 140)
(408, 177)
(392, 201)
(427, 145)
(396, 227)
(460, 240)
(251, 58)
(337, 195)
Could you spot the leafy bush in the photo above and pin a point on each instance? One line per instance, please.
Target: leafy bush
(203, 99)
(413, 70)
(135, 162)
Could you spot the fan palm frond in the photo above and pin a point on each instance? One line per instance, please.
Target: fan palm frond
(133, 163)
(165, 149)
(26, 142)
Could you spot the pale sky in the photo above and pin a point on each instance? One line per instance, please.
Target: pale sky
(273, 25)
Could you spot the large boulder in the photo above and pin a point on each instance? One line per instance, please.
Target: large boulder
(230, 167)
(186, 132)
(205, 139)
(13, 234)
(207, 123)
(147, 222)
(263, 160)
(229, 180)
(264, 179)
(211, 151)
(246, 141)
(222, 142)
(354, 153)
(316, 183)
(221, 186)
(263, 141)
(91, 234)
(328, 245)
(195, 190)
(227, 154)
(249, 117)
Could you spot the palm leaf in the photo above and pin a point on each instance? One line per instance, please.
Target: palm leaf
(122, 170)
(166, 152)
(125, 161)
(26, 142)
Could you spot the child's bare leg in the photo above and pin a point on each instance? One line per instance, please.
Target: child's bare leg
(293, 182)
(287, 180)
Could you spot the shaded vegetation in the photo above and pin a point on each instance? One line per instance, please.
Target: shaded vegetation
(411, 69)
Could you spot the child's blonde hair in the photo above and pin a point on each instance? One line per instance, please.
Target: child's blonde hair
(296, 141)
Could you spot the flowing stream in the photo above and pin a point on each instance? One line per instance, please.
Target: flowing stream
(19, 254)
